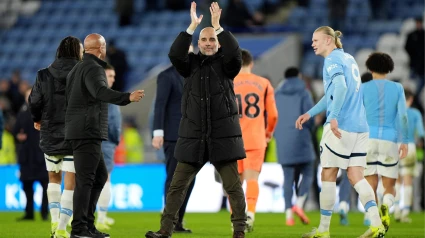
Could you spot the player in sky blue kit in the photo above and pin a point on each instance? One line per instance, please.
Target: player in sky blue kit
(385, 107)
(408, 168)
(345, 134)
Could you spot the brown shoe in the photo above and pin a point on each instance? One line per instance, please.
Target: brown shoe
(158, 234)
(238, 234)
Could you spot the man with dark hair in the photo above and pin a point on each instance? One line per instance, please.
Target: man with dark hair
(209, 128)
(415, 47)
(118, 59)
(46, 102)
(30, 159)
(385, 105)
(87, 95)
(255, 97)
(291, 72)
(409, 166)
(167, 115)
(294, 147)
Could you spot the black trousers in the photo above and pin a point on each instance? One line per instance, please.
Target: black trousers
(170, 167)
(28, 187)
(90, 177)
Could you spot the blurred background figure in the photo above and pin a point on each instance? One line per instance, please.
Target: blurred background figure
(118, 59)
(108, 149)
(337, 14)
(409, 166)
(124, 8)
(294, 147)
(31, 161)
(415, 47)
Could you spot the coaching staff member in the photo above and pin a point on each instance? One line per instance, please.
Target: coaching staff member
(86, 125)
(209, 128)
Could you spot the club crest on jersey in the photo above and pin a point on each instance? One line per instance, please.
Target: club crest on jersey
(331, 67)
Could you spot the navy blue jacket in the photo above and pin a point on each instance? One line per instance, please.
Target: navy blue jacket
(167, 112)
(293, 146)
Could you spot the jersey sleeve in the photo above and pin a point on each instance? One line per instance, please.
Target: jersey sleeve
(271, 109)
(419, 127)
(402, 114)
(333, 68)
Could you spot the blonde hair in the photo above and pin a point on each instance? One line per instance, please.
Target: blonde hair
(334, 34)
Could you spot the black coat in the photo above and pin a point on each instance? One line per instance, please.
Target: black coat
(30, 157)
(209, 111)
(167, 113)
(415, 48)
(47, 104)
(87, 98)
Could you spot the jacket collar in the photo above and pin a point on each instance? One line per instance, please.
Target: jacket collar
(94, 58)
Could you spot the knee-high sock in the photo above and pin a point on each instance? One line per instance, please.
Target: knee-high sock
(252, 191)
(66, 208)
(397, 198)
(327, 203)
(103, 203)
(408, 191)
(367, 197)
(388, 200)
(54, 197)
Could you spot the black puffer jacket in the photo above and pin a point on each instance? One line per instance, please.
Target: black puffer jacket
(47, 104)
(87, 98)
(209, 111)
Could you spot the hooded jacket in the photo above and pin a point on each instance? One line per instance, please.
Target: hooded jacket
(47, 104)
(292, 100)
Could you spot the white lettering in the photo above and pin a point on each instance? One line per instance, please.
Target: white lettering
(120, 191)
(11, 200)
(135, 193)
(331, 67)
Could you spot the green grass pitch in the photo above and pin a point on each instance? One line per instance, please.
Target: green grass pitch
(215, 225)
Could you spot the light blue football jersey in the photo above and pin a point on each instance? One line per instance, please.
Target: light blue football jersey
(416, 126)
(385, 107)
(352, 117)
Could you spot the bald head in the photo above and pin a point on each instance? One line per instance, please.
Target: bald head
(95, 44)
(208, 42)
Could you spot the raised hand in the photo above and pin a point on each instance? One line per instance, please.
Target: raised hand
(137, 95)
(195, 19)
(215, 11)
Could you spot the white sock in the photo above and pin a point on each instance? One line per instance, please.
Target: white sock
(66, 210)
(301, 200)
(408, 192)
(397, 198)
(367, 197)
(343, 206)
(388, 200)
(54, 197)
(289, 214)
(103, 202)
(327, 203)
(250, 214)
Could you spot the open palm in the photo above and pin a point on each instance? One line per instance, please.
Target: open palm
(195, 19)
